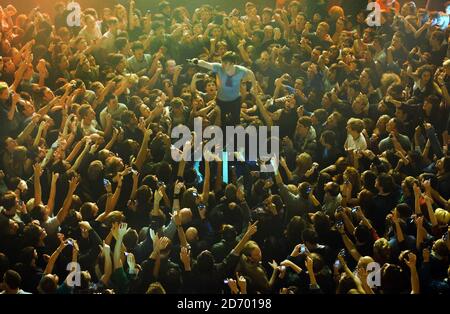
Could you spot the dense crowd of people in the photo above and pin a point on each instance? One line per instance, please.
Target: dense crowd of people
(92, 200)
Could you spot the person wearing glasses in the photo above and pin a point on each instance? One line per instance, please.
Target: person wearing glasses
(228, 76)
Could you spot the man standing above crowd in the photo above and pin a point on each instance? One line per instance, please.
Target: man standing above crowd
(229, 77)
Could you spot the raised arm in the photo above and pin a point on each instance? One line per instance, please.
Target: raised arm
(206, 182)
(251, 230)
(63, 212)
(142, 155)
(120, 233)
(411, 263)
(52, 195)
(350, 246)
(37, 169)
(54, 257)
(106, 252)
(203, 64)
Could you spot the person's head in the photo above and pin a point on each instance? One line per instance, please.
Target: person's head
(130, 239)
(48, 284)
(89, 211)
(368, 178)
(355, 126)
(86, 113)
(331, 189)
(442, 216)
(322, 29)
(11, 281)
(431, 105)
(9, 202)
(229, 233)
(333, 120)
(360, 104)
(392, 279)
(264, 58)
(138, 50)
(294, 229)
(129, 119)
(155, 288)
(401, 113)
(319, 116)
(4, 91)
(437, 38)
(303, 162)
(229, 59)
(303, 126)
(384, 183)
(362, 234)
(191, 235)
(381, 250)
(309, 237)
(392, 125)
(112, 23)
(111, 100)
(39, 212)
(205, 262)
(425, 73)
(443, 165)
(165, 8)
(252, 252)
(312, 71)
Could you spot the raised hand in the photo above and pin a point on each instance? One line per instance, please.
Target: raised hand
(176, 218)
(233, 285)
(252, 229)
(185, 256)
(274, 265)
(37, 170)
(73, 183)
(411, 261)
(296, 250)
(122, 230)
(178, 186)
(242, 283)
(163, 243)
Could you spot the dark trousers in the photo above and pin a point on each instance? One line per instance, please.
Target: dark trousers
(230, 112)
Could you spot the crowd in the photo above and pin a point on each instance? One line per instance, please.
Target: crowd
(93, 202)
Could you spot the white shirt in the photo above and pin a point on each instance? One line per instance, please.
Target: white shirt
(358, 143)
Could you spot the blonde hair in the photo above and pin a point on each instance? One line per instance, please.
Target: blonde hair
(356, 124)
(442, 216)
(303, 162)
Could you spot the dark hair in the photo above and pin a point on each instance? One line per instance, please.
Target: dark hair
(130, 239)
(334, 190)
(386, 182)
(230, 56)
(404, 210)
(9, 200)
(305, 121)
(137, 45)
(309, 235)
(329, 137)
(37, 212)
(109, 97)
(362, 234)
(47, 285)
(120, 43)
(12, 279)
